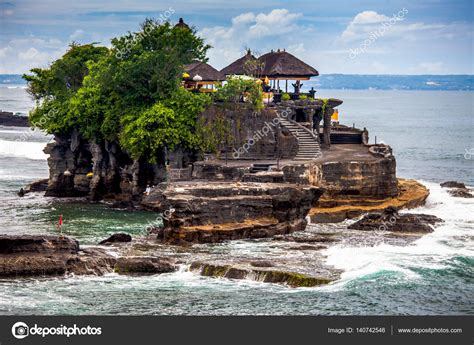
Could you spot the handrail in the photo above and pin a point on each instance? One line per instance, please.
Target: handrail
(304, 128)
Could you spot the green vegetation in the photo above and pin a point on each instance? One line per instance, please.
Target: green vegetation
(130, 92)
(303, 97)
(238, 87)
(285, 97)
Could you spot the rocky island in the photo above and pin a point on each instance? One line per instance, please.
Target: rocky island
(249, 162)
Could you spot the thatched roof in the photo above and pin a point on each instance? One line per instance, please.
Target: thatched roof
(238, 66)
(181, 24)
(207, 72)
(283, 64)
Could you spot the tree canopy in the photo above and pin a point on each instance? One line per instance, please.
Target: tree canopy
(130, 92)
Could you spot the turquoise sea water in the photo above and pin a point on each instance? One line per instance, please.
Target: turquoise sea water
(431, 134)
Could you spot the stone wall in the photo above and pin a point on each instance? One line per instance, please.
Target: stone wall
(376, 178)
(258, 133)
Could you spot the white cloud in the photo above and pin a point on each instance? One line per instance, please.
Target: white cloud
(250, 30)
(21, 54)
(78, 34)
(278, 21)
(367, 21)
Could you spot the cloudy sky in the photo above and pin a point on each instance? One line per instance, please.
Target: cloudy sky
(335, 36)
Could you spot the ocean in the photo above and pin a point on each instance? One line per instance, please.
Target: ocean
(431, 133)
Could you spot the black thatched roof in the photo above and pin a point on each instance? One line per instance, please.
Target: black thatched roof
(207, 72)
(238, 66)
(283, 64)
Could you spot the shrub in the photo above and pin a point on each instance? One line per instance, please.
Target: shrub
(285, 97)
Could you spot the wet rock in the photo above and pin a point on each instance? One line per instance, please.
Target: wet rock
(49, 255)
(90, 261)
(292, 279)
(307, 247)
(144, 265)
(261, 264)
(9, 119)
(461, 193)
(37, 186)
(452, 184)
(115, 238)
(391, 220)
(34, 244)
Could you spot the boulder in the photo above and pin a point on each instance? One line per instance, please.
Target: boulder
(115, 238)
(461, 193)
(452, 184)
(391, 220)
(147, 265)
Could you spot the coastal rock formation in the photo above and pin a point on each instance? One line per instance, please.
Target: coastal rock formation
(391, 220)
(52, 255)
(49, 255)
(46, 245)
(452, 184)
(266, 275)
(119, 237)
(9, 119)
(143, 265)
(457, 189)
(214, 212)
(461, 193)
(333, 209)
(78, 167)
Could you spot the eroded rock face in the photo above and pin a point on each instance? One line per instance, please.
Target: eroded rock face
(78, 167)
(214, 212)
(376, 178)
(391, 220)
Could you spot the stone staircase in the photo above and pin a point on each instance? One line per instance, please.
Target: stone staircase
(255, 168)
(308, 146)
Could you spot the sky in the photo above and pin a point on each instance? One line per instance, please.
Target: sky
(338, 36)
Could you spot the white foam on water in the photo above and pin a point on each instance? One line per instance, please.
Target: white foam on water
(31, 150)
(450, 239)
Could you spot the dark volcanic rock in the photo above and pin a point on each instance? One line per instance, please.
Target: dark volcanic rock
(9, 119)
(461, 193)
(119, 237)
(391, 220)
(37, 186)
(452, 184)
(148, 265)
(37, 245)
